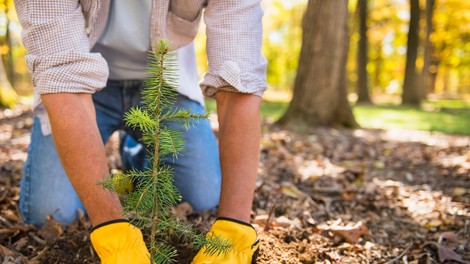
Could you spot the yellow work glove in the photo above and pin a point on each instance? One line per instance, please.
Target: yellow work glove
(119, 242)
(242, 236)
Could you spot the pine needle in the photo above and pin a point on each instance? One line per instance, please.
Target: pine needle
(154, 194)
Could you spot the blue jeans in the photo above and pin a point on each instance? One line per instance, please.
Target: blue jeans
(46, 190)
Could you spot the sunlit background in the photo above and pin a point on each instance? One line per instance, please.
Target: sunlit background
(388, 22)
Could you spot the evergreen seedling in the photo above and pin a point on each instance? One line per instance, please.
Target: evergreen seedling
(150, 202)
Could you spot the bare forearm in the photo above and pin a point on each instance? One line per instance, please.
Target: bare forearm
(81, 151)
(239, 140)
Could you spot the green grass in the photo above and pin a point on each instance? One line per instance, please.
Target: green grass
(447, 103)
(455, 121)
(447, 116)
(269, 109)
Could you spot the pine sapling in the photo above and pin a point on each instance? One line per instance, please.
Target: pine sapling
(149, 204)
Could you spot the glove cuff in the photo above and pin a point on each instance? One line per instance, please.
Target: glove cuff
(109, 223)
(241, 234)
(235, 221)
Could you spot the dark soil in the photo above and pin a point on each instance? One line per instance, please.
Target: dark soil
(323, 196)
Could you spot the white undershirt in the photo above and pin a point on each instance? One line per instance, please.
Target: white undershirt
(126, 41)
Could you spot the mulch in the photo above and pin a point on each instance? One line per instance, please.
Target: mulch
(322, 196)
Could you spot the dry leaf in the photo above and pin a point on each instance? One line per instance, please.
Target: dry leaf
(352, 234)
(348, 195)
(282, 221)
(451, 236)
(51, 231)
(446, 253)
(10, 256)
(5, 252)
(434, 223)
(290, 190)
(81, 218)
(182, 210)
(261, 219)
(459, 191)
(24, 241)
(379, 165)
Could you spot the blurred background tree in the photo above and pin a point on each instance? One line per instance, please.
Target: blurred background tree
(8, 95)
(320, 92)
(427, 82)
(14, 76)
(411, 94)
(362, 54)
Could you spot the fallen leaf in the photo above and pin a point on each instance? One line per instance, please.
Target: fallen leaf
(352, 234)
(307, 219)
(459, 191)
(51, 231)
(24, 241)
(379, 165)
(446, 253)
(81, 218)
(348, 195)
(433, 223)
(11, 216)
(261, 219)
(182, 210)
(282, 221)
(10, 256)
(291, 190)
(451, 236)
(4, 251)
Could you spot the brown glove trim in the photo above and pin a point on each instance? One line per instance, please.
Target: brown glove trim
(234, 220)
(109, 222)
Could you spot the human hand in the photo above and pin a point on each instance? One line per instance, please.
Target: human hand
(243, 238)
(119, 242)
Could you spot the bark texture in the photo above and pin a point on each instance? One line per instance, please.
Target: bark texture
(362, 56)
(320, 95)
(428, 84)
(411, 94)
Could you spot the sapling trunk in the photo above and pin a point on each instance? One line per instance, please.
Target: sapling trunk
(150, 202)
(155, 221)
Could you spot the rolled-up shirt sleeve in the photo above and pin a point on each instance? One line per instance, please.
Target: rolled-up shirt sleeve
(59, 57)
(234, 41)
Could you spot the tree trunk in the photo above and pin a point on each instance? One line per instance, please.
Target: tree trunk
(320, 95)
(411, 93)
(362, 57)
(8, 59)
(8, 96)
(433, 70)
(428, 50)
(378, 65)
(445, 82)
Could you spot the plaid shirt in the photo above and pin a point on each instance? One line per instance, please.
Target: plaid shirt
(59, 34)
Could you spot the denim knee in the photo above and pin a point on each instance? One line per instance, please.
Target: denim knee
(45, 188)
(197, 172)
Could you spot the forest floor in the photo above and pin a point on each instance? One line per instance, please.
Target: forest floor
(322, 196)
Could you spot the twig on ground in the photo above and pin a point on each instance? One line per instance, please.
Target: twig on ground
(5, 222)
(30, 234)
(36, 238)
(401, 255)
(266, 227)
